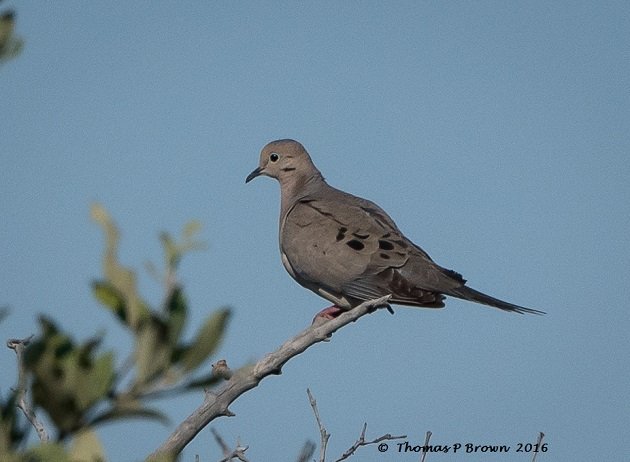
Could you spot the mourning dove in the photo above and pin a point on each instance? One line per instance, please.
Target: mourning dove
(347, 249)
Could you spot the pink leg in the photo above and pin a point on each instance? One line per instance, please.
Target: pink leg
(326, 315)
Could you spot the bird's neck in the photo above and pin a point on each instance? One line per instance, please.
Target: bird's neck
(298, 187)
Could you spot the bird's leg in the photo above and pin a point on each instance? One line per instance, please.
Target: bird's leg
(327, 314)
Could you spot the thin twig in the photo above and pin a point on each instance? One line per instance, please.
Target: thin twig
(18, 345)
(221, 442)
(217, 404)
(324, 435)
(238, 453)
(229, 454)
(361, 442)
(426, 445)
(541, 435)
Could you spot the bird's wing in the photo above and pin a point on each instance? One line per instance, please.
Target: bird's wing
(349, 246)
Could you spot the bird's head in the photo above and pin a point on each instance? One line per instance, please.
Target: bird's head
(285, 160)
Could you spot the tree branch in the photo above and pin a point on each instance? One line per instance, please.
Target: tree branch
(541, 435)
(426, 444)
(324, 435)
(237, 453)
(221, 442)
(361, 442)
(217, 404)
(18, 345)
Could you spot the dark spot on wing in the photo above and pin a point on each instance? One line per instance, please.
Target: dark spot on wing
(384, 256)
(342, 233)
(356, 245)
(385, 245)
(361, 236)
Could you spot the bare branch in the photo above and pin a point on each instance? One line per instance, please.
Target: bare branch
(426, 445)
(361, 442)
(324, 435)
(18, 345)
(237, 453)
(221, 442)
(216, 405)
(541, 435)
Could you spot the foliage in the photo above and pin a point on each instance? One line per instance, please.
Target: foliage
(11, 430)
(79, 385)
(10, 45)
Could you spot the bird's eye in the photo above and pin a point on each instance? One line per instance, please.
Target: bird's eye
(273, 157)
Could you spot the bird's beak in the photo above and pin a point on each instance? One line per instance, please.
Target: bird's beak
(254, 174)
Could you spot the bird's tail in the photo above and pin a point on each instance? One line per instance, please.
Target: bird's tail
(467, 293)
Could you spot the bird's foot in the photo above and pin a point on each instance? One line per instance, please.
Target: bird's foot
(327, 314)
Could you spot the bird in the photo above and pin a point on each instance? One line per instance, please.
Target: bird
(347, 249)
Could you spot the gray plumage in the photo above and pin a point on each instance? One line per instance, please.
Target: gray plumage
(347, 249)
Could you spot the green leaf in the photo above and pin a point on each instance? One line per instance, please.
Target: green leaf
(10, 44)
(111, 298)
(174, 251)
(171, 251)
(47, 452)
(128, 409)
(86, 447)
(176, 312)
(68, 380)
(93, 382)
(207, 340)
(191, 228)
(11, 432)
(116, 275)
(189, 237)
(153, 351)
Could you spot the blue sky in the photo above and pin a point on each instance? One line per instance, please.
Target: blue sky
(496, 134)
